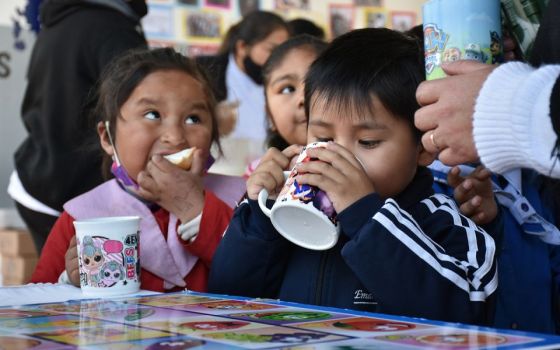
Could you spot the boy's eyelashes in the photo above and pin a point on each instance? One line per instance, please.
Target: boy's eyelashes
(364, 143)
(370, 143)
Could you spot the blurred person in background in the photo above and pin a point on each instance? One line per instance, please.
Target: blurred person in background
(236, 77)
(304, 26)
(55, 163)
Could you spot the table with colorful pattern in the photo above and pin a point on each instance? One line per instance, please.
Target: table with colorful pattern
(189, 320)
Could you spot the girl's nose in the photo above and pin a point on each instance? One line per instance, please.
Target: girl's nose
(173, 134)
(300, 96)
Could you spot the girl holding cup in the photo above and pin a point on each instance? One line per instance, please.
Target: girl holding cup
(283, 76)
(151, 104)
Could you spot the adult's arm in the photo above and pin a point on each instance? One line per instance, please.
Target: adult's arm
(512, 121)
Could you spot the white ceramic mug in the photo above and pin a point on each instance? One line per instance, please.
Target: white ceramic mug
(108, 255)
(303, 214)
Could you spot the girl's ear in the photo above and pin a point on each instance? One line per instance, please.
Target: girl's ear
(271, 124)
(425, 158)
(241, 49)
(104, 139)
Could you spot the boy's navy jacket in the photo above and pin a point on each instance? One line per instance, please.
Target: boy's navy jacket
(529, 269)
(413, 255)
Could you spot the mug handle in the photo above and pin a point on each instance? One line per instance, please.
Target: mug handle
(263, 196)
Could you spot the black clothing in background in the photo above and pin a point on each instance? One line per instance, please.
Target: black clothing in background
(77, 39)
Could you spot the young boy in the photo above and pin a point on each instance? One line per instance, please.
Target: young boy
(402, 250)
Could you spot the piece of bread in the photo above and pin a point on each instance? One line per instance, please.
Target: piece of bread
(183, 159)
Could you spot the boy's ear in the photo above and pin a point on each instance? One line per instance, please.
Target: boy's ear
(104, 139)
(424, 157)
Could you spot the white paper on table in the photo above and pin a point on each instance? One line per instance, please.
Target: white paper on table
(44, 293)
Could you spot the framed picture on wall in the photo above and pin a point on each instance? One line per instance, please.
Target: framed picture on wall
(403, 20)
(246, 6)
(375, 17)
(205, 25)
(224, 4)
(284, 5)
(201, 50)
(341, 19)
(188, 2)
(374, 3)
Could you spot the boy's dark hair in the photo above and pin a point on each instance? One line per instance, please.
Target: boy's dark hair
(417, 32)
(300, 26)
(366, 62)
(255, 27)
(124, 74)
(301, 42)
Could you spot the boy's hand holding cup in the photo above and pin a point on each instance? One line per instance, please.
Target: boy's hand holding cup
(302, 213)
(338, 173)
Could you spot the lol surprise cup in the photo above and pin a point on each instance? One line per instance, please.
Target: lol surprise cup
(108, 255)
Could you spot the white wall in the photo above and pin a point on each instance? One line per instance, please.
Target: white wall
(7, 10)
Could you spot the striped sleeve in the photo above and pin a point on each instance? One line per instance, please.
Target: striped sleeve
(473, 270)
(427, 261)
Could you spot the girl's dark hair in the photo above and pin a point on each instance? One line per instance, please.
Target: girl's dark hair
(300, 26)
(367, 62)
(229, 40)
(124, 74)
(301, 42)
(255, 27)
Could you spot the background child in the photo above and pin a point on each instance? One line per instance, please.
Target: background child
(403, 250)
(154, 103)
(528, 261)
(283, 75)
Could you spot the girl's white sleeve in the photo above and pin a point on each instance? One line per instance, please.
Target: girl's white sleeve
(511, 123)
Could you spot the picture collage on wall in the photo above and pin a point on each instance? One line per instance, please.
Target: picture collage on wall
(196, 27)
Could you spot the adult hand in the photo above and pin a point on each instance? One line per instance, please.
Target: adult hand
(447, 111)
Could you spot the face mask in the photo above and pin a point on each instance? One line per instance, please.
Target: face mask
(253, 70)
(118, 169)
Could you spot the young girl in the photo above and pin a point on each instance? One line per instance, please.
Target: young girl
(152, 103)
(402, 249)
(283, 76)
